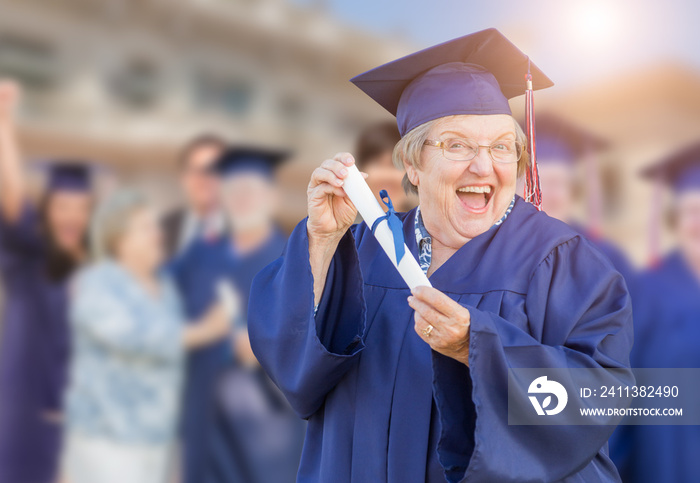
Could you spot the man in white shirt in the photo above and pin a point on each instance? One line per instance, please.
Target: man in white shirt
(201, 216)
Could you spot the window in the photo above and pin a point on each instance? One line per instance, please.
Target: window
(30, 61)
(233, 96)
(137, 83)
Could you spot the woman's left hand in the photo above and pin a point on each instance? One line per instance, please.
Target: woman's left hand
(450, 322)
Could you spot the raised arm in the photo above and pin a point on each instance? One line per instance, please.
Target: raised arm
(12, 188)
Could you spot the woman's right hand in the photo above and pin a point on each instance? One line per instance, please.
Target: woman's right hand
(331, 212)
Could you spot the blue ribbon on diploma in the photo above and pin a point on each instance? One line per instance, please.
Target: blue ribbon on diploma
(395, 225)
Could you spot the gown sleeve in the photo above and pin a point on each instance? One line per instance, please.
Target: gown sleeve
(578, 316)
(20, 240)
(307, 355)
(98, 312)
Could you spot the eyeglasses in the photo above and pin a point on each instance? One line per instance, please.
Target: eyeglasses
(456, 149)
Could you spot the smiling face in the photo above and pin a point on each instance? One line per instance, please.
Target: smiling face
(462, 199)
(141, 243)
(67, 216)
(200, 184)
(250, 200)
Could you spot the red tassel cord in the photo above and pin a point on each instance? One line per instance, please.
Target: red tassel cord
(533, 191)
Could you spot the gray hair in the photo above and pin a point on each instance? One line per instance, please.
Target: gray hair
(111, 221)
(410, 146)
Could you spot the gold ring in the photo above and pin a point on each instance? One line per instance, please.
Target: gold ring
(428, 330)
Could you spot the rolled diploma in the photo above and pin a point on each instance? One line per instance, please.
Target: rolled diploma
(367, 205)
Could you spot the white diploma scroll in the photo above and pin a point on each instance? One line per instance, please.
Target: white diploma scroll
(367, 205)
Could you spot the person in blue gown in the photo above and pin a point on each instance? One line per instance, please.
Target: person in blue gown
(562, 150)
(40, 247)
(254, 436)
(411, 386)
(196, 272)
(666, 300)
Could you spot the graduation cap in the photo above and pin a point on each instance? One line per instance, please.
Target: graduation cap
(241, 159)
(559, 141)
(474, 74)
(680, 171)
(68, 174)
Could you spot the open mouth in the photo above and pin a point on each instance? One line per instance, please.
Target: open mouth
(475, 198)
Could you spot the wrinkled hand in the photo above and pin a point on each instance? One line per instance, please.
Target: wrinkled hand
(10, 94)
(330, 210)
(450, 321)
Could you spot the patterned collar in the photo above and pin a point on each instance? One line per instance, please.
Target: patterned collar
(425, 241)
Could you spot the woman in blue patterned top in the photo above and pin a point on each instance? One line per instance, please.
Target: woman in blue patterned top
(129, 342)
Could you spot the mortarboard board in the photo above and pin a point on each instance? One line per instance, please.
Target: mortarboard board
(474, 74)
(680, 171)
(68, 174)
(560, 141)
(239, 159)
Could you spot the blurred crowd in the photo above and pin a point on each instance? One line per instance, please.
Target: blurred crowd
(124, 353)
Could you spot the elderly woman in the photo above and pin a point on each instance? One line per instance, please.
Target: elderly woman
(130, 339)
(409, 387)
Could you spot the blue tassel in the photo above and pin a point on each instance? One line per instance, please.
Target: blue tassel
(395, 225)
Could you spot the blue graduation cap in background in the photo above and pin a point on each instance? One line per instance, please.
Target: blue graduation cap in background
(680, 171)
(560, 141)
(68, 174)
(239, 159)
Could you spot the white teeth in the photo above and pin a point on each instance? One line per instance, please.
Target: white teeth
(475, 189)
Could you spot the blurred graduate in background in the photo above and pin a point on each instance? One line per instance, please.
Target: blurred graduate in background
(666, 302)
(567, 154)
(374, 155)
(130, 339)
(41, 245)
(250, 434)
(201, 214)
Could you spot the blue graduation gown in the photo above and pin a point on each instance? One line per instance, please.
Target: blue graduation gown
(610, 250)
(667, 333)
(196, 272)
(269, 434)
(539, 295)
(34, 350)
(221, 444)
